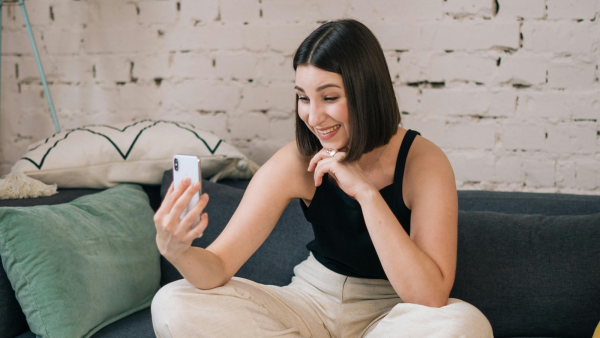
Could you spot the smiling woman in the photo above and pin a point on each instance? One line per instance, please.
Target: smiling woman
(357, 82)
(382, 202)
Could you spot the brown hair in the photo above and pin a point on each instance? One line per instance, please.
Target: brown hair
(349, 48)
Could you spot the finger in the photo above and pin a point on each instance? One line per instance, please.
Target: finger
(321, 155)
(321, 169)
(184, 200)
(171, 198)
(192, 215)
(313, 161)
(199, 229)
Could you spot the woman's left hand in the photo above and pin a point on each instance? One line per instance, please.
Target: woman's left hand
(349, 176)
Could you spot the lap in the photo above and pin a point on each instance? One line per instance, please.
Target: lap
(240, 308)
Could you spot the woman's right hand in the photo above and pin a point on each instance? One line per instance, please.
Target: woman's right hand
(173, 235)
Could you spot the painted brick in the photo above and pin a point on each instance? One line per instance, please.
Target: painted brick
(572, 9)
(38, 13)
(462, 7)
(404, 36)
(565, 174)
(62, 41)
(514, 9)
(255, 37)
(238, 65)
(111, 68)
(509, 169)
(553, 104)
(240, 11)
(586, 104)
(333, 10)
(112, 12)
(71, 13)
(200, 96)
(433, 130)
(150, 67)
(18, 42)
(153, 12)
(523, 69)
(82, 97)
(214, 123)
(193, 11)
(539, 173)
(472, 166)
(571, 74)
(287, 38)
(523, 136)
(276, 67)
(68, 69)
(193, 66)
(413, 67)
(407, 10)
(571, 139)
(462, 101)
(558, 37)
(454, 66)
(476, 35)
(261, 98)
(251, 52)
(281, 11)
(122, 40)
(587, 174)
(408, 98)
(362, 11)
(250, 126)
(470, 136)
(28, 70)
(282, 129)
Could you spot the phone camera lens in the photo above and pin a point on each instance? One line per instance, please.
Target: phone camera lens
(176, 165)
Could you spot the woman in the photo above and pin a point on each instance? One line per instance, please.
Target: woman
(384, 209)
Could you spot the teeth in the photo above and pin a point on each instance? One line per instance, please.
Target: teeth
(327, 131)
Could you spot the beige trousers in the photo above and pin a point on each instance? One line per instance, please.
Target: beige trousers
(318, 303)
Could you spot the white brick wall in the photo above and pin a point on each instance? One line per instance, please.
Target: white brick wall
(512, 97)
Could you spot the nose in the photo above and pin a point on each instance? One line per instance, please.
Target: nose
(316, 114)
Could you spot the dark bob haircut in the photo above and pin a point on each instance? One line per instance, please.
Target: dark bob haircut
(349, 48)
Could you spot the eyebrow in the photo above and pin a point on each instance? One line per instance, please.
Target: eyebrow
(320, 88)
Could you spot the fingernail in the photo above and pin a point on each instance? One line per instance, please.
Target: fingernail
(186, 180)
(196, 185)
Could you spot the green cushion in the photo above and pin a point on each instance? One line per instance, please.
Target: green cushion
(79, 266)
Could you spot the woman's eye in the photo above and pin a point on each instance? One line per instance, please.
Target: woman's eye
(303, 99)
(331, 98)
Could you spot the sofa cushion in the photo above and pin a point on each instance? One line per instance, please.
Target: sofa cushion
(79, 266)
(272, 263)
(102, 156)
(511, 202)
(531, 275)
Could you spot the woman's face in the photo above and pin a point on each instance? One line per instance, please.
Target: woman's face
(322, 105)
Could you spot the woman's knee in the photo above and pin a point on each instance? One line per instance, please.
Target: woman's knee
(469, 321)
(166, 304)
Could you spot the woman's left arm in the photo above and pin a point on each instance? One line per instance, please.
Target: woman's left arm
(421, 267)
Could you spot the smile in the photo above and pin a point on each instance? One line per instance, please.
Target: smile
(327, 131)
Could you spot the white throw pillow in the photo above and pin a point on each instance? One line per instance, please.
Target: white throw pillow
(102, 156)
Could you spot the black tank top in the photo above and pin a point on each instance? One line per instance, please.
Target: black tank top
(342, 242)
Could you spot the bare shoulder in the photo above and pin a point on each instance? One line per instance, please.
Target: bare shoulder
(288, 168)
(427, 170)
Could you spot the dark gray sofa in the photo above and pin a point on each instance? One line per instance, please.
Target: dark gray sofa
(532, 275)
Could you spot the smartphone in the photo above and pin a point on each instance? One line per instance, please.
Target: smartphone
(188, 166)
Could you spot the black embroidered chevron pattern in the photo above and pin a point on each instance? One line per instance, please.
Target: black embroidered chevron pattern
(181, 125)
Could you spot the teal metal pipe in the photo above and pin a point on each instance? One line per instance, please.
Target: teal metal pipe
(39, 65)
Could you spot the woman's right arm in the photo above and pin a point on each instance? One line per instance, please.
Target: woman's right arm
(282, 178)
